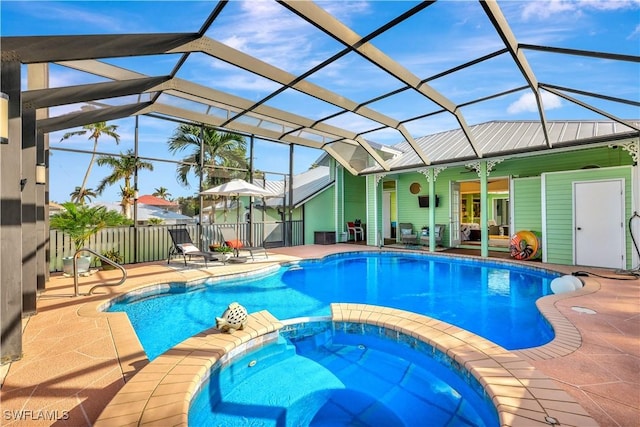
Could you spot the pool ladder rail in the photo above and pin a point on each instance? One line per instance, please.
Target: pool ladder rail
(102, 258)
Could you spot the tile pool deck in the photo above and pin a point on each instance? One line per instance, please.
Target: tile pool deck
(76, 360)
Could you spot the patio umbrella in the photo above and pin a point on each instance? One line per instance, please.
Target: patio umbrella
(238, 187)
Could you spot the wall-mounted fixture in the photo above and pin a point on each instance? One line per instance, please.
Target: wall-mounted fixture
(4, 118)
(23, 183)
(415, 188)
(41, 174)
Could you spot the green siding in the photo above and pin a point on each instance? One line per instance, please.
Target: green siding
(559, 209)
(318, 215)
(339, 201)
(355, 198)
(374, 211)
(526, 198)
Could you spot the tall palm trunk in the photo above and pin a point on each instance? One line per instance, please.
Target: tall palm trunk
(86, 175)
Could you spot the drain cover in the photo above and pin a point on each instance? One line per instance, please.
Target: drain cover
(583, 310)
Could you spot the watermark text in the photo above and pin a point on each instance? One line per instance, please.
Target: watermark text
(34, 415)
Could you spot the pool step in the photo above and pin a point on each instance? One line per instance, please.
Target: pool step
(242, 369)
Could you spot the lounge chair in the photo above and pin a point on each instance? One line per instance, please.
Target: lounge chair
(232, 240)
(407, 235)
(183, 246)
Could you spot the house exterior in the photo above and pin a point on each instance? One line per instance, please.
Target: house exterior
(580, 201)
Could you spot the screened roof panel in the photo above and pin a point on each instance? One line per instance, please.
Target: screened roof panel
(339, 76)
(404, 105)
(477, 81)
(271, 33)
(442, 36)
(361, 73)
(357, 159)
(354, 122)
(301, 103)
(217, 74)
(366, 17)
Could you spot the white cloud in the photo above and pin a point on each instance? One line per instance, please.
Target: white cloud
(527, 103)
(546, 9)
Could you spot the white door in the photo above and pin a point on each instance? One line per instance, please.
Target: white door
(454, 215)
(599, 223)
(386, 214)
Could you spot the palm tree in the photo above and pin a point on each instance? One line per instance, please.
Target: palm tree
(220, 149)
(81, 196)
(162, 192)
(123, 168)
(95, 131)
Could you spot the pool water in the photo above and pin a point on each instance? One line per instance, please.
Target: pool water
(340, 379)
(493, 300)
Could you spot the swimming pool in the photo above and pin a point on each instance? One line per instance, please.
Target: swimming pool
(493, 300)
(342, 374)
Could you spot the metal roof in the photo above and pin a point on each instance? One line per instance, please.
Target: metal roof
(305, 185)
(503, 138)
(118, 90)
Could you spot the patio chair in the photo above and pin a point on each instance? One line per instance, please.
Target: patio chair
(439, 235)
(183, 246)
(407, 235)
(232, 240)
(356, 230)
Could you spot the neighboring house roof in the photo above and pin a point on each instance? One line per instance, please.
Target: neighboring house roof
(305, 185)
(147, 212)
(155, 201)
(496, 138)
(55, 207)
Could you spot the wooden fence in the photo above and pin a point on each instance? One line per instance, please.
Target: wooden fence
(152, 243)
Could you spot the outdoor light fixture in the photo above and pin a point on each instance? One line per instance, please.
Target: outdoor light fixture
(41, 174)
(4, 118)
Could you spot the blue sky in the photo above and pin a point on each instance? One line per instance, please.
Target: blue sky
(444, 35)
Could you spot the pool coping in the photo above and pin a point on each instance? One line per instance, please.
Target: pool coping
(517, 406)
(161, 393)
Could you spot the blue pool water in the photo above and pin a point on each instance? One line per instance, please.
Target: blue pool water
(490, 299)
(338, 378)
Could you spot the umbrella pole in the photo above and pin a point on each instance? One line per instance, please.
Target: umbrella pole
(237, 223)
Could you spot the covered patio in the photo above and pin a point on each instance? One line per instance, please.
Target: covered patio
(55, 358)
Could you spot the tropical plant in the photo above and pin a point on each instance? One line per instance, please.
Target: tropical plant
(223, 249)
(224, 156)
(123, 168)
(113, 255)
(220, 149)
(81, 222)
(95, 131)
(82, 196)
(155, 221)
(162, 192)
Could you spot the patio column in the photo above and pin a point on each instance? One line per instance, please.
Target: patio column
(38, 78)
(28, 223)
(11, 217)
(251, 199)
(290, 207)
(432, 211)
(135, 191)
(484, 230)
(200, 187)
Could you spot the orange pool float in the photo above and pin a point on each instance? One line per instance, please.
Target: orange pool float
(524, 245)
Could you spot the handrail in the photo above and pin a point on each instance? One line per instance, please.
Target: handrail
(102, 258)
